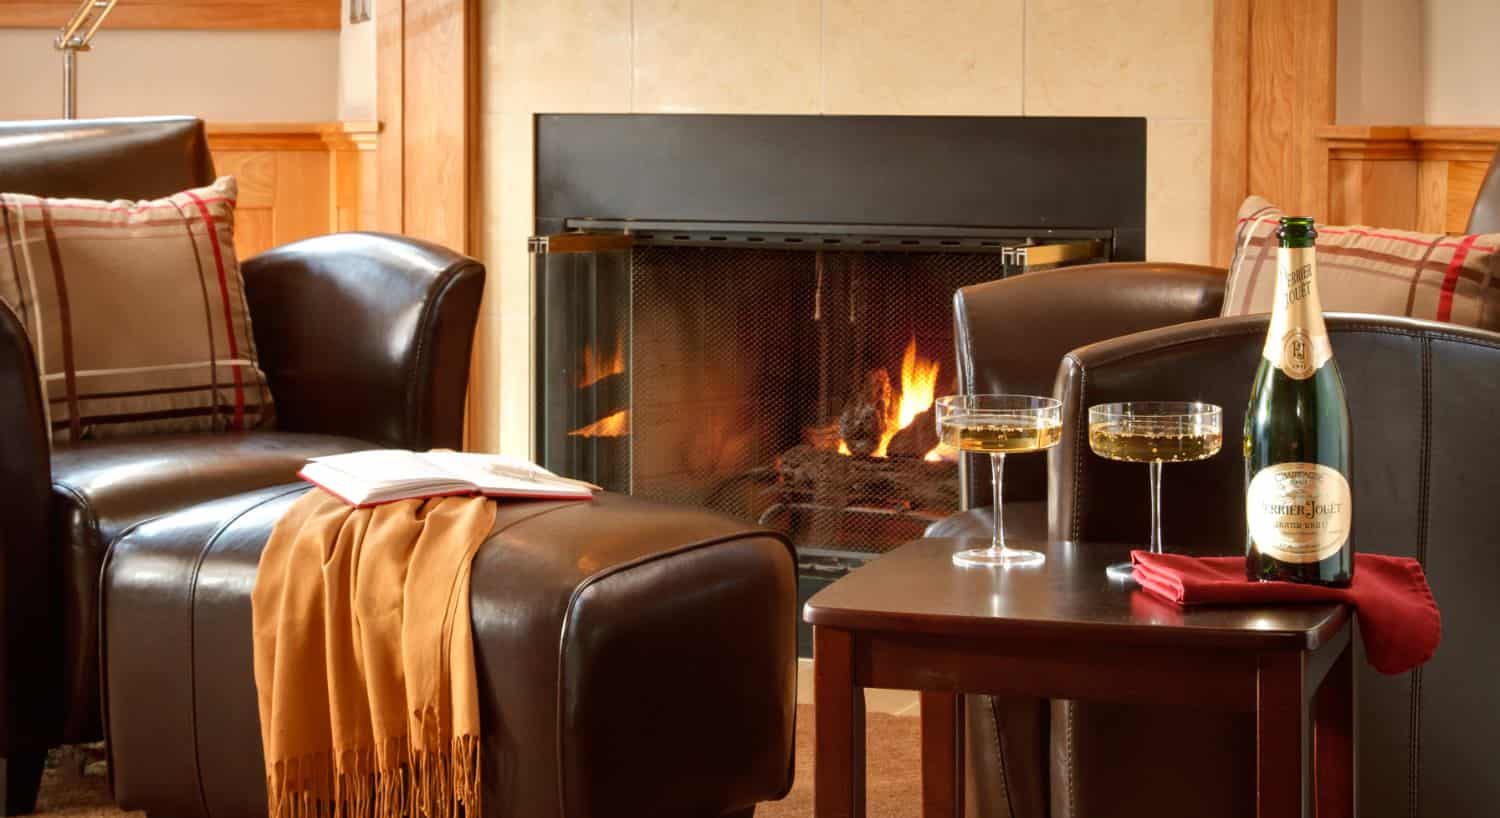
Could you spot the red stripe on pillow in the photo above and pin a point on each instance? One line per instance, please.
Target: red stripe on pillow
(213, 239)
(1336, 231)
(1450, 281)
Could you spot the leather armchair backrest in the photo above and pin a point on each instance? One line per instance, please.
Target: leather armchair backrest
(1485, 217)
(143, 158)
(1011, 333)
(1422, 400)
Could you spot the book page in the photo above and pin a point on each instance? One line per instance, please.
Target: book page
(502, 474)
(387, 467)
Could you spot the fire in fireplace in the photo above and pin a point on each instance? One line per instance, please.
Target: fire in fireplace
(791, 386)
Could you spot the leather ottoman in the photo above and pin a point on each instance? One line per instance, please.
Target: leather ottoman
(635, 659)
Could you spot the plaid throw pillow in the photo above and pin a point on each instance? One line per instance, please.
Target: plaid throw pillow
(136, 312)
(1372, 269)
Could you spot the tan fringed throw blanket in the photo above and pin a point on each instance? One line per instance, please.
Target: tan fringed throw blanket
(364, 660)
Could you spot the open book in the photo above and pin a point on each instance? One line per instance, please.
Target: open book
(385, 475)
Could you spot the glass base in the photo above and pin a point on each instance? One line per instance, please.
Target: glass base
(1121, 572)
(998, 557)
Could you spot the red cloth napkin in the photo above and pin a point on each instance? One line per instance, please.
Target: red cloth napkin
(1398, 618)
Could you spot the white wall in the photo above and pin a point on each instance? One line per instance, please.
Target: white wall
(1380, 62)
(1404, 62)
(357, 68)
(1462, 43)
(225, 76)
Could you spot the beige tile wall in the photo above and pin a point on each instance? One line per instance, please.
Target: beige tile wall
(1147, 58)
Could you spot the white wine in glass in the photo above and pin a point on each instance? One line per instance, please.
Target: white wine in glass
(998, 425)
(1154, 432)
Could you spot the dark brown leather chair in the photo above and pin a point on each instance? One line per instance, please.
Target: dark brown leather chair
(1485, 217)
(365, 339)
(1421, 396)
(1010, 336)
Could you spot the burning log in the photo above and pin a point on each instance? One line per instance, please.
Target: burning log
(918, 438)
(865, 417)
(879, 482)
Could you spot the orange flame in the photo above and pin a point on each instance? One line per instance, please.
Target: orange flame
(919, 378)
(597, 366)
(616, 425)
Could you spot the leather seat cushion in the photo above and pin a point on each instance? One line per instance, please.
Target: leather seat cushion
(634, 659)
(101, 488)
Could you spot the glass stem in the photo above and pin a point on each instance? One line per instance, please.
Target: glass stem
(1156, 507)
(997, 478)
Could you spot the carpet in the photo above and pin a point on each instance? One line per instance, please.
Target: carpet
(75, 786)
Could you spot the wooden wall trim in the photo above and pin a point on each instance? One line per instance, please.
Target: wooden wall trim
(181, 14)
(1230, 126)
(1273, 89)
(1454, 144)
(1412, 177)
(296, 179)
(292, 136)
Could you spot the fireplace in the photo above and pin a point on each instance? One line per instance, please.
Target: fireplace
(754, 314)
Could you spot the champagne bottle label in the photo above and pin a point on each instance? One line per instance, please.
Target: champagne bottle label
(1299, 512)
(1297, 343)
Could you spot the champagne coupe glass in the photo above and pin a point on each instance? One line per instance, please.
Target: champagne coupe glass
(1154, 432)
(998, 425)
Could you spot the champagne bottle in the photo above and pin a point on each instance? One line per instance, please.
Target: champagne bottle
(1297, 456)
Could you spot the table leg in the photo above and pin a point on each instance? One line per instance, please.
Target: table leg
(942, 754)
(1333, 740)
(1282, 737)
(839, 707)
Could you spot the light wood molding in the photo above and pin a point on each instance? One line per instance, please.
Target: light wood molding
(296, 180)
(181, 14)
(1417, 177)
(292, 136)
(1273, 89)
(1229, 181)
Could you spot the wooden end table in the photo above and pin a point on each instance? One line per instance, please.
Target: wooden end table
(912, 620)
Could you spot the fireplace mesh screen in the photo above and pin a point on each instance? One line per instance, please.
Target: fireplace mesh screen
(793, 387)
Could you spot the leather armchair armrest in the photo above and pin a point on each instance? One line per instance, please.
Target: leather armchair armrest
(30, 636)
(366, 335)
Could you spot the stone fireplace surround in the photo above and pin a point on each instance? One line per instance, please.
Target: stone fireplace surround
(1147, 58)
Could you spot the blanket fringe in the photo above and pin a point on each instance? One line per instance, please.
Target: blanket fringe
(395, 780)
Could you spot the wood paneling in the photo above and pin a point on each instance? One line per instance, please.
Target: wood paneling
(180, 14)
(296, 180)
(1273, 86)
(426, 50)
(1415, 178)
(1229, 172)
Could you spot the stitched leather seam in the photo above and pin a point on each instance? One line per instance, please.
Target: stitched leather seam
(598, 576)
(192, 652)
(1073, 523)
(1010, 807)
(1424, 489)
(1068, 762)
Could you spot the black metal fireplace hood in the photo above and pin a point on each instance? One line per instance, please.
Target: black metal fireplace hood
(1037, 174)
